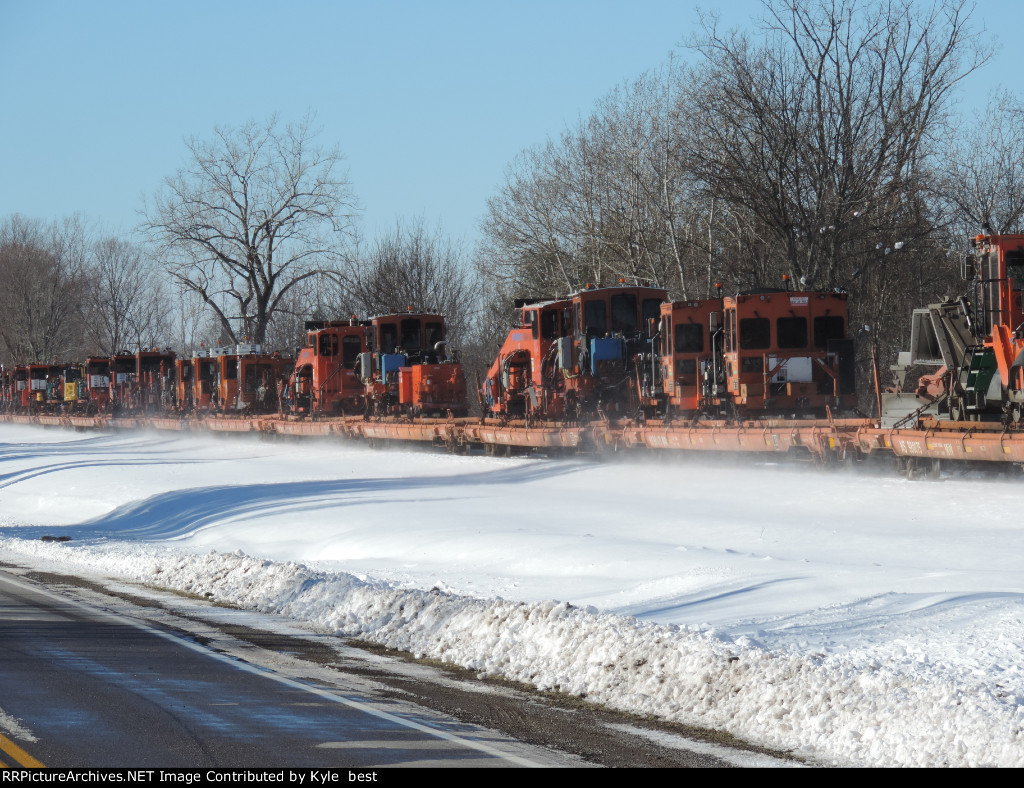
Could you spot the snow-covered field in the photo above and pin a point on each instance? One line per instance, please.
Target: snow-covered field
(852, 619)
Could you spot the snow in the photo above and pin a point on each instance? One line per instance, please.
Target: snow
(849, 618)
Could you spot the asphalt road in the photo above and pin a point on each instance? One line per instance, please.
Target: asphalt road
(106, 674)
(80, 686)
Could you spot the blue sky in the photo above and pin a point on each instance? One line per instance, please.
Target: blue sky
(429, 101)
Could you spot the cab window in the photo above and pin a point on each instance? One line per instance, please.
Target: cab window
(595, 318)
(549, 324)
(530, 318)
(411, 334)
(388, 338)
(791, 332)
(329, 344)
(689, 338)
(351, 347)
(255, 375)
(624, 313)
(828, 327)
(1015, 268)
(435, 333)
(755, 333)
(652, 310)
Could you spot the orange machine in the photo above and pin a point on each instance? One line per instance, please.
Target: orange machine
(324, 378)
(22, 386)
(122, 381)
(974, 342)
(685, 350)
(410, 370)
(523, 379)
(54, 387)
(579, 355)
(12, 382)
(786, 352)
(184, 384)
(247, 378)
(6, 387)
(37, 375)
(990, 381)
(205, 378)
(97, 383)
(155, 375)
(73, 391)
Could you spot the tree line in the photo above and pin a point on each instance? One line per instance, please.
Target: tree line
(825, 146)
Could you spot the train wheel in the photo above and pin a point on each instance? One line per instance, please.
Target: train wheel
(916, 468)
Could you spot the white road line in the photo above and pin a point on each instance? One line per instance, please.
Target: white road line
(368, 744)
(327, 695)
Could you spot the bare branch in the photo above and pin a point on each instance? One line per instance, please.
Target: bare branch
(257, 210)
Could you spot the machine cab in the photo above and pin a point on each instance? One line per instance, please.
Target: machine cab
(788, 350)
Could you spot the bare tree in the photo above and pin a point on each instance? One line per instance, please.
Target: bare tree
(315, 298)
(42, 279)
(256, 211)
(587, 206)
(127, 307)
(529, 240)
(187, 323)
(822, 131)
(418, 268)
(982, 182)
(615, 197)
